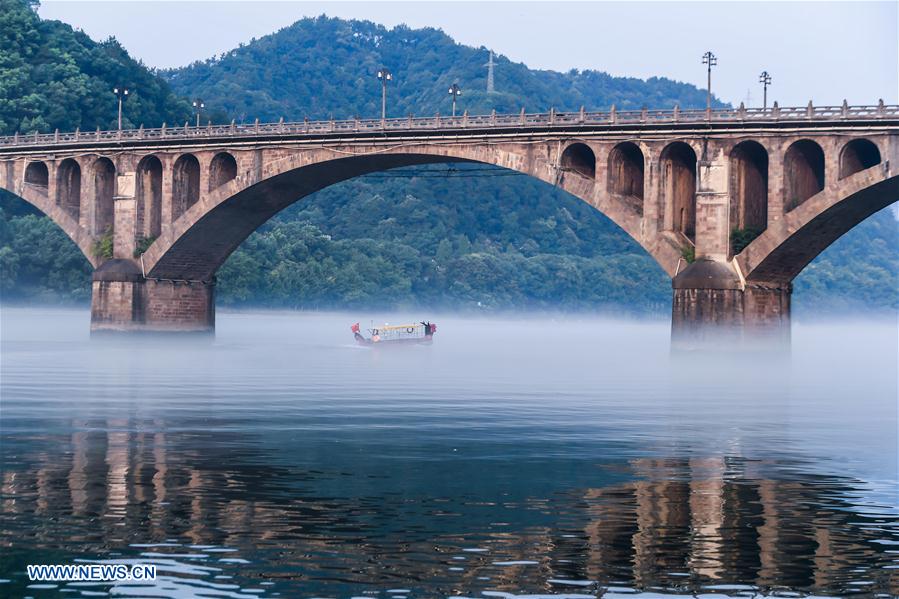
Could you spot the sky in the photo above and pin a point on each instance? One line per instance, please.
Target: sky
(819, 51)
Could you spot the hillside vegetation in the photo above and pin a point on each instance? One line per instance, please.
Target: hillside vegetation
(52, 76)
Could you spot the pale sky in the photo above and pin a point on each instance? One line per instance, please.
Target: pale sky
(820, 51)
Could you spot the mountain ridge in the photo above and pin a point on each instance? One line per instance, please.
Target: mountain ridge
(341, 81)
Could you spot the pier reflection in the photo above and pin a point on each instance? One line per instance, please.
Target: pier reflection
(685, 524)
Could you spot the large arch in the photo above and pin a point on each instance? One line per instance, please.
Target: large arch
(68, 187)
(626, 173)
(678, 186)
(104, 196)
(803, 172)
(149, 197)
(201, 240)
(780, 253)
(748, 193)
(185, 184)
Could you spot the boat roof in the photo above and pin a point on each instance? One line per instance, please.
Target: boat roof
(399, 326)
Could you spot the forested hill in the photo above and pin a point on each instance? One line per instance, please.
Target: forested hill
(324, 66)
(446, 238)
(52, 76)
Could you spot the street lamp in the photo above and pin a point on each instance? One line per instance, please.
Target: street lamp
(198, 104)
(455, 91)
(121, 93)
(765, 80)
(384, 76)
(711, 60)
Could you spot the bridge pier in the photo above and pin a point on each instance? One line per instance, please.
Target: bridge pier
(123, 300)
(712, 307)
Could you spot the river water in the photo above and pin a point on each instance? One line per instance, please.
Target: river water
(515, 456)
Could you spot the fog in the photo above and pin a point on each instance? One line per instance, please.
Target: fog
(509, 434)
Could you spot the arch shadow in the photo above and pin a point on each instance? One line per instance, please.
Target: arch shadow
(858, 155)
(678, 186)
(804, 168)
(626, 173)
(748, 193)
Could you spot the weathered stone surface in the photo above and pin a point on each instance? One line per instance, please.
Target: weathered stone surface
(135, 304)
(713, 306)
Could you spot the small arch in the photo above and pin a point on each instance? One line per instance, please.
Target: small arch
(748, 193)
(803, 172)
(68, 187)
(37, 174)
(858, 155)
(679, 188)
(185, 184)
(222, 169)
(626, 172)
(579, 158)
(149, 197)
(104, 196)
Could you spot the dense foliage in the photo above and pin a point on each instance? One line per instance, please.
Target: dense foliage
(859, 272)
(38, 262)
(326, 67)
(54, 77)
(454, 237)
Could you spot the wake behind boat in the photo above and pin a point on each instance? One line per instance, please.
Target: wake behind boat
(423, 332)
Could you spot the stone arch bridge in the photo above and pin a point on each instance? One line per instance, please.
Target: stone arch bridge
(732, 204)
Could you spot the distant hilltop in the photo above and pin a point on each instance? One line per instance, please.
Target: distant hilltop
(326, 67)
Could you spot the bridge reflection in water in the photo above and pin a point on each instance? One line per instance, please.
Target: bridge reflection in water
(113, 487)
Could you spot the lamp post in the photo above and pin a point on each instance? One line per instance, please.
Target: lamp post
(455, 91)
(121, 93)
(384, 76)
(765, 80)
(199, 105)
(709, 59)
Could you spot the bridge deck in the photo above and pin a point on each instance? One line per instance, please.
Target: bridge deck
(491, 124)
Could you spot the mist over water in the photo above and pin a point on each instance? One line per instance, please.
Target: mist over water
(516, 455)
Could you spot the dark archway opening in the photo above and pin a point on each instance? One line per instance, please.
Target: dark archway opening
(185, 185)
(679, 188)
(149, 198)
(803, 173)
(858, 155)
(104, 196)
(579, 158)
(222, 169)
(36, 174)
(748, 194)
(68, 187)
(626, 174)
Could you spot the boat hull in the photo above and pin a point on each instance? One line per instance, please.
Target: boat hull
(426, 340)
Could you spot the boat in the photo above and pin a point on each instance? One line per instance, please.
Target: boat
(399, 334)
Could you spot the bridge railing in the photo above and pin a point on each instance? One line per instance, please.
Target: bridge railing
(483, 121)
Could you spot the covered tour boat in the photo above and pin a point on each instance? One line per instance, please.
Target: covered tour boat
(423, 332)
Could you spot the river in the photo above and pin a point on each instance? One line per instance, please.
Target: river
(537, 456)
